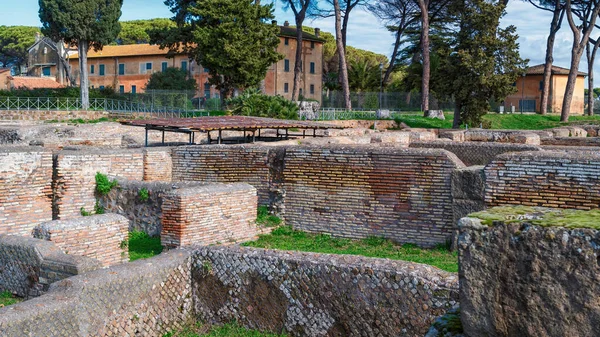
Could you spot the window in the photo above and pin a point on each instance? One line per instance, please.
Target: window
(121, 69)
(149, 66)
(207, 90)
(46, 71)
(286, 65)
(122, 89)
(102, 70)
(184, 65)
(312, 67)
(541, 85)
(312, 44)
(206, 70)
(164, 66)
(133, 89)
(92, 69)
(287, 41)
(286, 88)
(312, 89)
(101, 87)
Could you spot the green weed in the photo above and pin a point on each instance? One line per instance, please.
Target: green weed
(103, 185)
(142, 246)
(265, 219)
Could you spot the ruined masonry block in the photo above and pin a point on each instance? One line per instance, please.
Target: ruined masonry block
(25, 189)
(217, 213)
(99, 236)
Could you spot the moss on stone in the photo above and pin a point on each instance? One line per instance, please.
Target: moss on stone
(540, 216)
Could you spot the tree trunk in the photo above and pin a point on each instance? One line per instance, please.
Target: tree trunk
(456, 122)
(399, 32)
(423, 6)
(570, 88)
(591, 57)
(342, 55)
(298, 62)
(554, 27)
(83, 47)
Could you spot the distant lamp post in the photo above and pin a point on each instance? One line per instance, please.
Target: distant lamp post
(523, 92)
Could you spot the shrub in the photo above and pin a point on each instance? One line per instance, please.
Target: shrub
(143, 194)
(103, 185)
(253, 103)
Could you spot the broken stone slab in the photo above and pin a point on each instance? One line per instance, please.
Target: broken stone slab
(439, 114)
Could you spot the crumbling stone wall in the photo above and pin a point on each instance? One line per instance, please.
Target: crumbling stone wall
(158, 164)
(28, 266)
(475, 153)
(400, 194)
(209, 214)
(75, 171)
(25, 189)
(134, 299)
(572, 141)
(526, 280)
(101, 237)
(255, 165)
(468, 191)
(308, 294)
(50, 115)
(546, 178)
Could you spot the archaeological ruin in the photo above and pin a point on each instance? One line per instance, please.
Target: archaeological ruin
(521, 208)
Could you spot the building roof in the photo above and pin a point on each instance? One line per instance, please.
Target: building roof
(152, 49)
(3, 70)
(288, 31)
(30, 82)
(539, 70)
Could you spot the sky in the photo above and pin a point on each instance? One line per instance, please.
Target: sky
(365, 31)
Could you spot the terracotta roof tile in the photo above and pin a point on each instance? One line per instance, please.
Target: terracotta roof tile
(34, 82)
(539, 70)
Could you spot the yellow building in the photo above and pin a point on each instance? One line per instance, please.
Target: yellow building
(127, 68)
(529, 91)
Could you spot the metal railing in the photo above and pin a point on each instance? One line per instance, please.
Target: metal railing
(116, 108)
(329, 114)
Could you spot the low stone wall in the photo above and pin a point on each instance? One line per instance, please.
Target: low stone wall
(572, 141)
(101, 237)
(524, 280)
(531, 137)
(142, 298)
(545, 178)
(307, 294)
(158, 164)
(259, 166)
(74, 176)
(25, 189)
(48, 115)
(28, 266)
(144, 215)
(475, 153)
(401, 194)
(210, 214)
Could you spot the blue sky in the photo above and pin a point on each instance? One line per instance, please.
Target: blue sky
(365, 30)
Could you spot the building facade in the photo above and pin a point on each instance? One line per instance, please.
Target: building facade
(529, 91)
(127, 68)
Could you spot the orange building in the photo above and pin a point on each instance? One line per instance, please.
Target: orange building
(127, 68)
(529, 91)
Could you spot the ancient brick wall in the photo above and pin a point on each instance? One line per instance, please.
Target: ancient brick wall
(400, 194)
(255, 165)
(306, 294)
(101, 237)
(28, 266)
(572, 141)
(475, 153)
(75, 171)
(210, 214)
(158, 164)
(133, 299)
(547, 178)
(50, 115)
(25, 189)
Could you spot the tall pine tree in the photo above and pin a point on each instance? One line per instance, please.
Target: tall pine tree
(485, 60)
(86, 23)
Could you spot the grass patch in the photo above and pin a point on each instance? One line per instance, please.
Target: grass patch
(286, 238)
(227, 330)
(540, 216)
(142, 246)
(498, 121)
(83, 121)
(265, 219)
(6, 299)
